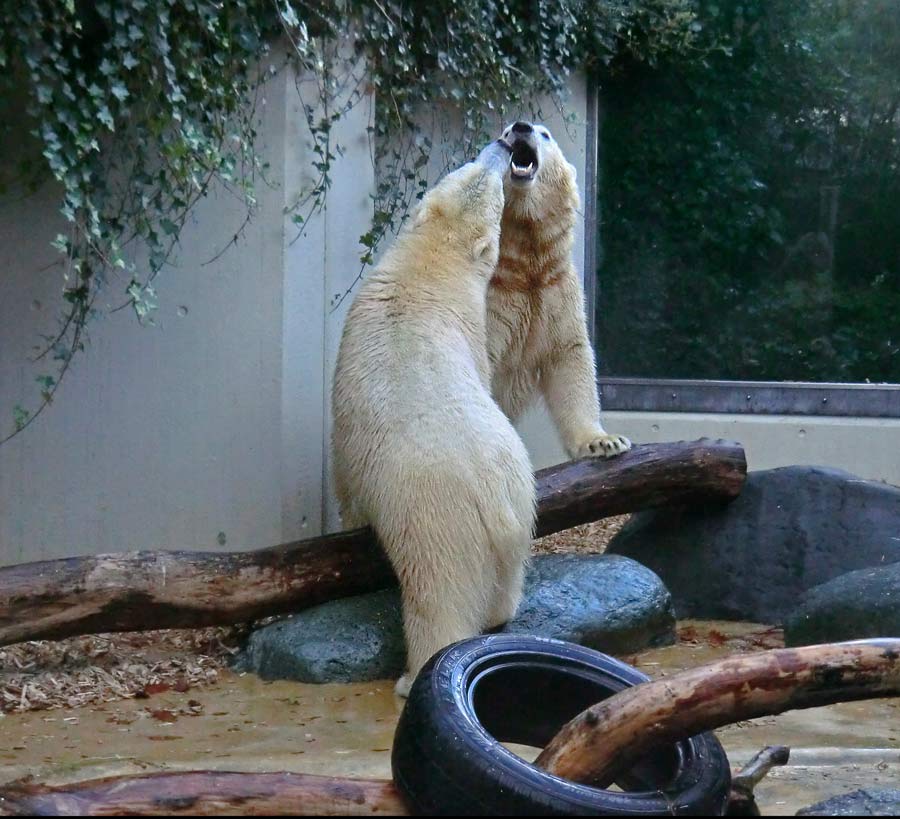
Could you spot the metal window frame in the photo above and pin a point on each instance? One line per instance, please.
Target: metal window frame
(750, 397)
(700, 396)
(591, 204)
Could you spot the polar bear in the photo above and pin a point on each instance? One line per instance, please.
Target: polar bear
(422, 453)
(537, 334)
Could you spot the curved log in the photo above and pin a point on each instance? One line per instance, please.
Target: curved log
(648, 476)
(133, 591)
(207, 793)
(607, 738)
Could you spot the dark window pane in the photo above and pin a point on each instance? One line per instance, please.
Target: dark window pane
(750, 201)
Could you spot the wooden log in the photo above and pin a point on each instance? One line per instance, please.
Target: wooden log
(742, 800)
(609, 737)
(207, 793)
(646, 477)
(134, 591)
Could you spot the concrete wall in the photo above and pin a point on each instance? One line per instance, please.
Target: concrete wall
(206, 431)
(868, 447)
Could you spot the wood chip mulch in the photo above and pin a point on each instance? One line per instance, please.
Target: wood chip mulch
(108, 667)
(589, 538)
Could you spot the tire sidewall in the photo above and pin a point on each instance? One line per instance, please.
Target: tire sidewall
(442, 753)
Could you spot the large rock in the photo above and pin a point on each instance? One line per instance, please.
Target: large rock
(350, 640)
(606, 602)
(790, 530)
(869, 802)
(854, 606)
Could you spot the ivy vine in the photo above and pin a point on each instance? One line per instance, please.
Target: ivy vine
(140, 107)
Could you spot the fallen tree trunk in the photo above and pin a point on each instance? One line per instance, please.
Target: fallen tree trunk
(207, 793)
(134, 591)
(606, 739)
(211, 793)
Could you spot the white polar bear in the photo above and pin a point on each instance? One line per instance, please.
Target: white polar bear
(422, 453)
(537, 334)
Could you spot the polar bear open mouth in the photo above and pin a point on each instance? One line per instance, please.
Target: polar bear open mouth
(523, 164)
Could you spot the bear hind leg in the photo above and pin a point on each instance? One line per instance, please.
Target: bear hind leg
(508, 593)
(444, 601)
(433, 618)
(510, 546)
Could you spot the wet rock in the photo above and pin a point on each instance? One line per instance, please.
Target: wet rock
(790, 530)
(854, 606)
(606, 602)
(351, 640)
(868, 802)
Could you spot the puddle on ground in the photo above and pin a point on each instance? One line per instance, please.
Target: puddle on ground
(240, 724)
(244, 724)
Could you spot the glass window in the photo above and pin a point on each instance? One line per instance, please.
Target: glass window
(750, 200)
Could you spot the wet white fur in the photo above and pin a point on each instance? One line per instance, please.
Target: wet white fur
(422, 452)
(537, 333)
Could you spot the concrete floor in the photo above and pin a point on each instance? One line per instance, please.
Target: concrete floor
(244, 724)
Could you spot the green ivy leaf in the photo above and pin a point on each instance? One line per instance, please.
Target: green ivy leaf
(119, 91)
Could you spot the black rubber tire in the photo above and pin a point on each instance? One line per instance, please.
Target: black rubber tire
(447, 759)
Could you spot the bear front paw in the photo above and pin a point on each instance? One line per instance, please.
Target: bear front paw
(604, 446)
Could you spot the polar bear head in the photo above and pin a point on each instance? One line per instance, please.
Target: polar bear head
(460, 216)
(540, 182)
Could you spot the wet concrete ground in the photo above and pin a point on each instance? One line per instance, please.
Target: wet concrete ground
(244, 724)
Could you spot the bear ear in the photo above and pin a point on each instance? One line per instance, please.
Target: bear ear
(426, 212)
(420, 215)
(481, 246)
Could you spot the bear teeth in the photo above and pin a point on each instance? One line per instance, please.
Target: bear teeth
(518, 169)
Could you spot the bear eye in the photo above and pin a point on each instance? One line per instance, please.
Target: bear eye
(545, 134)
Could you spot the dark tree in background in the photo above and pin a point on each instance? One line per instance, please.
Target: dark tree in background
(749, 200)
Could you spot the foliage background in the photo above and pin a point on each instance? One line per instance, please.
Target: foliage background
(723, 257)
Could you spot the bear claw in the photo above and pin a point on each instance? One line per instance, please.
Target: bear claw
(605, 446)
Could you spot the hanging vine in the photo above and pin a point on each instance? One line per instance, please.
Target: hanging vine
(140, 108)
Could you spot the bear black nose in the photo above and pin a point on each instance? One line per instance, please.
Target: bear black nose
(522, 128)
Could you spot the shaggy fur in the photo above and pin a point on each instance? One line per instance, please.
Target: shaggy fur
(537, 334)
(422, 452)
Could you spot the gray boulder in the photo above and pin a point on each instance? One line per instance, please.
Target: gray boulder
(790, 530)
(606, 602)
(351, 640)
(854, 606)
(869, 802)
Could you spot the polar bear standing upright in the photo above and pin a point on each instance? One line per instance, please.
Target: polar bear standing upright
(422, 452)
(537, 334)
